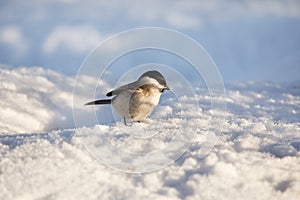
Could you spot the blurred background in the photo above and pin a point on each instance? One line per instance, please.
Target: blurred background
(248, 40)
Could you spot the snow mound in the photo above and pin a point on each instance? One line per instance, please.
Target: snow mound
(33, 99)
(36, 99)
(256, 157)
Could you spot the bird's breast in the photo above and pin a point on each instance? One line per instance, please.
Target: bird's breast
(136, 105)
(142, 103)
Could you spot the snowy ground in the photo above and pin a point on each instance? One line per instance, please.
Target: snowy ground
(42, 155)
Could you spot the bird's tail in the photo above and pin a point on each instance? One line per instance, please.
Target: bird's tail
(102, 101)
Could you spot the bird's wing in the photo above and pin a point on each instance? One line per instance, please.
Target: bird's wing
(131, 86)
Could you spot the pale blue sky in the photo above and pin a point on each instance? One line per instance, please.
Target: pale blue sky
(248, 40)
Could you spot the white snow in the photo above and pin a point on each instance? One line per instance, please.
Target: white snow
(42, 155)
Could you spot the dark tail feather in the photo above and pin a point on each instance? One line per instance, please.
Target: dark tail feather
(103, 101)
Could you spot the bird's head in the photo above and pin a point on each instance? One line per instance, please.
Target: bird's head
(155, 78)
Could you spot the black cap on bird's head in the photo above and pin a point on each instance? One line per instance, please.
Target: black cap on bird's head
(157, 76)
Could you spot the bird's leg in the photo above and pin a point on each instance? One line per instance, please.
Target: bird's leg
(125, 123)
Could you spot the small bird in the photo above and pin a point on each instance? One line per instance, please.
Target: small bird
(136, 101)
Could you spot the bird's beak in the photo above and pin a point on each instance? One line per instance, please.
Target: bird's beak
(167, 88)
